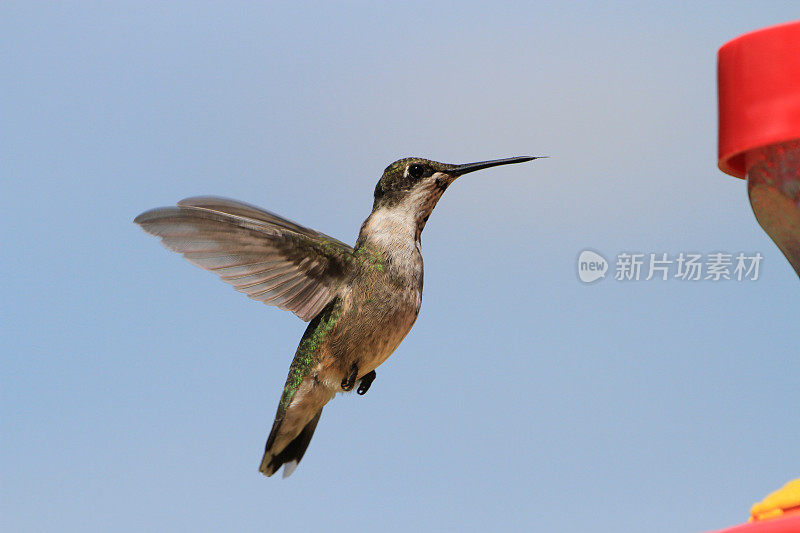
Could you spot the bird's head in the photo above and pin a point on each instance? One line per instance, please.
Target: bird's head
(413, 185)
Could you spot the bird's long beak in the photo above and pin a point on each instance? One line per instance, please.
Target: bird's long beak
(460, 170)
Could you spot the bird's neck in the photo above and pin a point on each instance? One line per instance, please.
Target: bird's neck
(391, 230)
(399, 226)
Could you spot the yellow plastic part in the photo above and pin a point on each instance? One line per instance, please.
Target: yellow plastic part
(784, 500)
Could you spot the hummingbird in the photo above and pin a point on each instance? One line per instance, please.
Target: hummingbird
(361, 301)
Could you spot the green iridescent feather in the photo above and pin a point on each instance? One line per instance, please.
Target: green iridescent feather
(307, 355)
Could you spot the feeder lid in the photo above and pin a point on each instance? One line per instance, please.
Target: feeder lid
(758, 76)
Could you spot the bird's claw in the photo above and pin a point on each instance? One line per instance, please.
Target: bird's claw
(350, 381)
(366, 382)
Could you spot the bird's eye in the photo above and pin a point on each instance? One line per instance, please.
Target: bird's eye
(416, 171)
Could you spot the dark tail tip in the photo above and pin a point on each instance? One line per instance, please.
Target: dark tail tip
(291, 454)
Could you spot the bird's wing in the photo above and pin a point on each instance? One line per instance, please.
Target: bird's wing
(267, 257)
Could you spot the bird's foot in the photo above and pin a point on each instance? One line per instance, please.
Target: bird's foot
(350, 381)
(366, 382)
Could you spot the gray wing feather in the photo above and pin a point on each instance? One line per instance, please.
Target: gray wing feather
(267, 257)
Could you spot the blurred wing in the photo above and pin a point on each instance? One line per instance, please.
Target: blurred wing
(267, 257)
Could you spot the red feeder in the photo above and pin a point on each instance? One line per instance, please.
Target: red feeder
(759, 127)
(786, 524)
(778, 512)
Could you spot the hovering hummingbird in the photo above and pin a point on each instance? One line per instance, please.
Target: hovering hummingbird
(361, 301)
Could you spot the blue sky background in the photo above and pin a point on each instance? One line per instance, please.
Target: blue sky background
(137, 390)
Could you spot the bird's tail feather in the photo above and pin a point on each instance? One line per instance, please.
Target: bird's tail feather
(291, 454)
